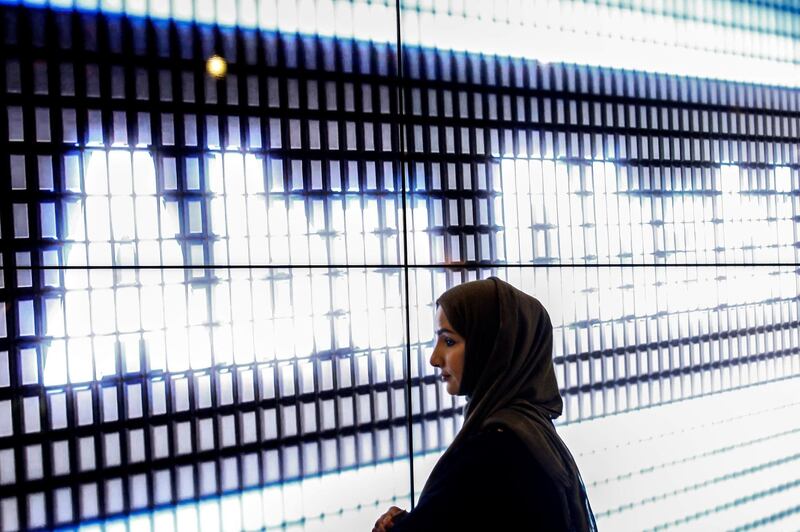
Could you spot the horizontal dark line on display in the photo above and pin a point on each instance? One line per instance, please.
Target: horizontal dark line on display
(149, 59)
(684, 340)
(769, 519)
(402, 266)
(362, 155)
(131, 104)
(152, 61)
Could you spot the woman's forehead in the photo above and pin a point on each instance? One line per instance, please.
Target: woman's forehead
(441, 318)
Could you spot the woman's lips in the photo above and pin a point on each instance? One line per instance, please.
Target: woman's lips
(445, 376)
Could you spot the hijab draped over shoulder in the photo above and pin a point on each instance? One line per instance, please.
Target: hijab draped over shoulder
(509, 380)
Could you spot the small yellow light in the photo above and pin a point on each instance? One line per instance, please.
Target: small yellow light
(216, 66)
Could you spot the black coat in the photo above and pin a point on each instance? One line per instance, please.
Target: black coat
(490, 483)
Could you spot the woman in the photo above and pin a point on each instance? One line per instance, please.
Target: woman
(507, 468)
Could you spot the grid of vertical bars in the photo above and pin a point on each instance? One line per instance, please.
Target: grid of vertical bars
(189, 351)
(124, 385)
(563, 164)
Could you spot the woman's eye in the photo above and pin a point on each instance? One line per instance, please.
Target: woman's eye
(449, 342)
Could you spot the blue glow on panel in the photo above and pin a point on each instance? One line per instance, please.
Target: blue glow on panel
(678, 40)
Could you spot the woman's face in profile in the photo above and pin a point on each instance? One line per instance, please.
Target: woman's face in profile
(448, 352)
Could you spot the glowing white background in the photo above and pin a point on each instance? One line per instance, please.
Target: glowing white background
(575, 35)
(644, 38)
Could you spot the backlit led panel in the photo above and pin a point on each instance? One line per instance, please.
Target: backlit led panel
(721, 39)
(656, 188)
(143, 362)
(734, 40)
(631, 344)
(525, 162)
(132, 388)
(626, 338)
(204, 280)
(123, 151)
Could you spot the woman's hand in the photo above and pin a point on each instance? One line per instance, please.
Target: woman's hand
(385, 522)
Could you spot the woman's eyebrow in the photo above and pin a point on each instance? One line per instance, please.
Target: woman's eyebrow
(440, 331)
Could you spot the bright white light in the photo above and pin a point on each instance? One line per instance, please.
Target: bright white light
(216, 66)
(167, 318)
(55, 367)
(680, 43)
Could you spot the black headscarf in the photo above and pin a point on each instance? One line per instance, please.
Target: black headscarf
(509, 379)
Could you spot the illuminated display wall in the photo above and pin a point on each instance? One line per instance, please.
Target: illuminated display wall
(218, 293)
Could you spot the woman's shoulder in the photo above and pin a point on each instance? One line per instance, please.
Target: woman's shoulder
(493, 434)
(511, 477)
(500, 451)
(497, 444)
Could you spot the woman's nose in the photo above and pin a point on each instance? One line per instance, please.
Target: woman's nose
(433, 360)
